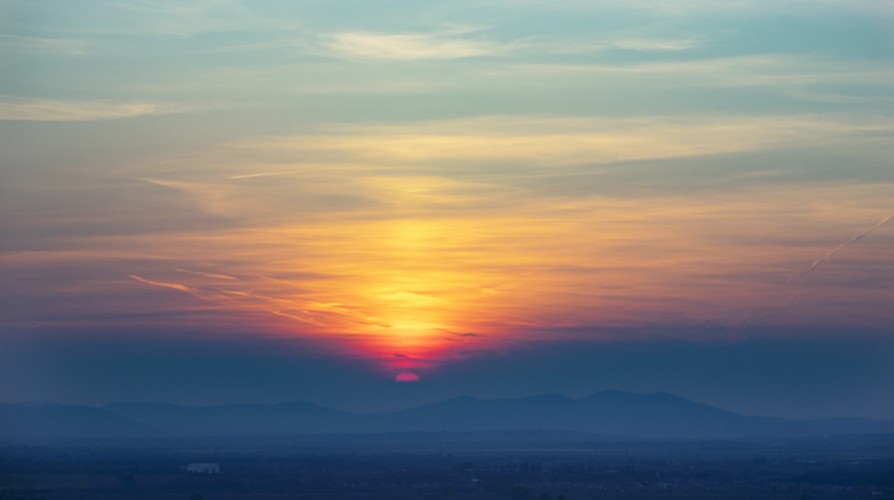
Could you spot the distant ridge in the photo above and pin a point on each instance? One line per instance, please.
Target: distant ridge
(293, 417)
(606, 413)
(66, 421)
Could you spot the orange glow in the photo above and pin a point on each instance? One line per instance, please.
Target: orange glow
(430, 274)
(415, 293)
(413, 244)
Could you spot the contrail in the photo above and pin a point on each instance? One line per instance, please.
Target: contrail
(207, 275)
(163, 284)
(837, 249)
(262, 174)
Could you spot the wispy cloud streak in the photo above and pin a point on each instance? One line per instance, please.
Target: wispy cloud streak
(52, 110)
(446, 44)
(305, 311)
(162, 284)
(831, 253)
(43, 45)
(207, 275)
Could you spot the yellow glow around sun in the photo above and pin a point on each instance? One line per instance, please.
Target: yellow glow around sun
(439, 266)
(411, 282)
(413, 285)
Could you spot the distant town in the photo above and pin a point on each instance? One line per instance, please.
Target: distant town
(522, 465)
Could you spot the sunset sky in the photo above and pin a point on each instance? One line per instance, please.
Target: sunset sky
(257, 201)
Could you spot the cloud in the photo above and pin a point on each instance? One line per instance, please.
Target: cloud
(308, 312)
(28, 109)
(747, 70)
(445, 44)
(647, 44)
(162, 18)
(42, 45)
(165, 18)
(556, 140)
(216, 276)
(691, 8)
(163, 284)
(870, 7)
(454, 43)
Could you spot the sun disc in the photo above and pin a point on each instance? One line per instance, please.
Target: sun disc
(406, 377)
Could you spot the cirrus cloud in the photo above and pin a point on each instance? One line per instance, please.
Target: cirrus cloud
(445, 44)
(56, 110)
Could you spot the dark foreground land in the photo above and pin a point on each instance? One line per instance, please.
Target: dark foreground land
(462, 466)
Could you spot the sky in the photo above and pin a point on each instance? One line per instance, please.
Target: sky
(375, 205)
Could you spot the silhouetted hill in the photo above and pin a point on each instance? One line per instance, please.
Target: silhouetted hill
(607, 413)
(62, 421)
(472, 414)
(294, 417)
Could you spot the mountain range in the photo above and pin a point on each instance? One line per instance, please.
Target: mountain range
(607, 413)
